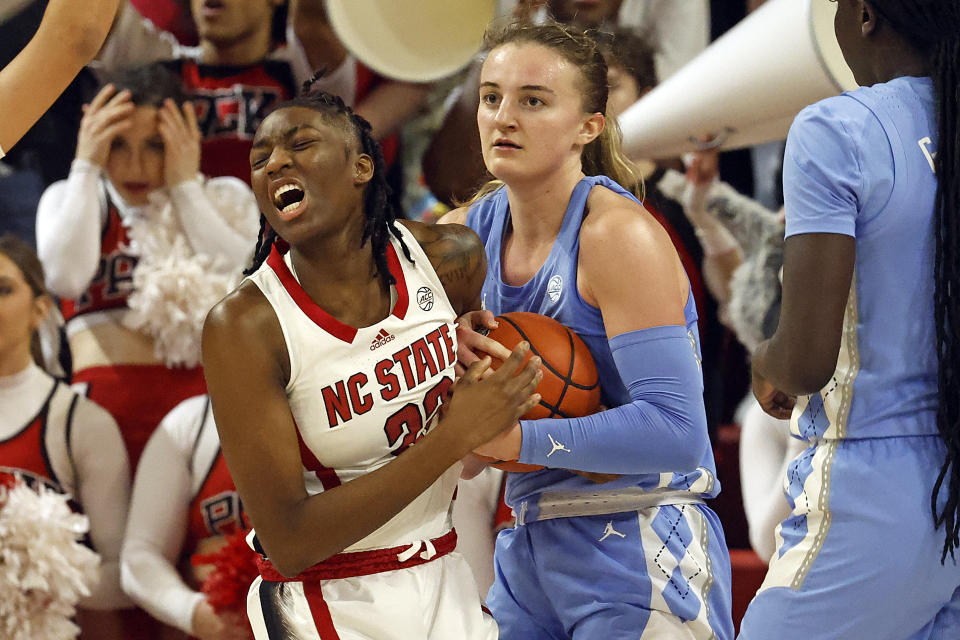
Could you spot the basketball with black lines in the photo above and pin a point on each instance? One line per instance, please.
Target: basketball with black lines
(570, 387)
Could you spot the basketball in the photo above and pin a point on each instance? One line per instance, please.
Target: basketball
(570, 387)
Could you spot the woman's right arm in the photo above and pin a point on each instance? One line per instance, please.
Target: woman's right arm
(70, 215)
(247, 367)
(69, 36)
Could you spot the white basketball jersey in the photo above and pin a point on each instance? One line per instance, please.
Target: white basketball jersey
(361, 396)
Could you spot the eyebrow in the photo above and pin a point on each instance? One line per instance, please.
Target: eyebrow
(263, 142)
(526, 87)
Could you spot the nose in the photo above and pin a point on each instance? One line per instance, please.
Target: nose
(278, 159)
(137, 164)
(504, 118)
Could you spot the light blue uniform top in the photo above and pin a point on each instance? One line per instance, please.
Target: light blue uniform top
(552, 291)
(861, 164)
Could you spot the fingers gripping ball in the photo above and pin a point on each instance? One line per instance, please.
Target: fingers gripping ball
(570, 387)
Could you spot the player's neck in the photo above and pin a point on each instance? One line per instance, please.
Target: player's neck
(895, 58)
(248, 50)
(537, 207)
(341, 277)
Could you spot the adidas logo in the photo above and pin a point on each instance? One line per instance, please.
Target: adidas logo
(382, 338)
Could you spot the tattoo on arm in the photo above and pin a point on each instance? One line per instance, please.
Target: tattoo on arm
(459, 260)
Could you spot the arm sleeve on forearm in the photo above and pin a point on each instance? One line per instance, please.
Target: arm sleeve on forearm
(69, 221)
(158, 523)
(662, 429)
(220, 218)
(103, 476)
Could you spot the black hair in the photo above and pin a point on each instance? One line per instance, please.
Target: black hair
(381, 212)
(630, 50)
(932, 27)
(149, 85)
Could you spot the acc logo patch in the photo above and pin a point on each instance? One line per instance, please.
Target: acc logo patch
(425, 298)
(555, 288)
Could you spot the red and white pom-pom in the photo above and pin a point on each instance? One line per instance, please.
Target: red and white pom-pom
(235, 568)
(173, 287)
(44, 567)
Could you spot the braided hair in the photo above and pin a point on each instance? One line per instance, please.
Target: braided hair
(932, 27)
(380, 211)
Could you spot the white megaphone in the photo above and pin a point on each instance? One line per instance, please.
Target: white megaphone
(414, 41)
(746, 87)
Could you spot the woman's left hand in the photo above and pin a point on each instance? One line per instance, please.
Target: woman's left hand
(181, 140)
(505, 446)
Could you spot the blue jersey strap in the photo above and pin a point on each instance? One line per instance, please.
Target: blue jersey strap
(662, 429)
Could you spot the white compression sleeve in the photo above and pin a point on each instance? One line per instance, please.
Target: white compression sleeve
(219, 218)
(103, 478)
(70, 217)
(158, 519)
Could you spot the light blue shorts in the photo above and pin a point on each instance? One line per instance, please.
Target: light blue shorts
(661, 572)
(859, 557)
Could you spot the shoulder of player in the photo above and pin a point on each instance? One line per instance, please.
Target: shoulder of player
(446, 244)
(847, 115)
(243, 313)
(618, 228)
(456, 216)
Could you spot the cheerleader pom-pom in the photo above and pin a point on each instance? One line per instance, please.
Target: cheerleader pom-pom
(234, 569)
(44, 567)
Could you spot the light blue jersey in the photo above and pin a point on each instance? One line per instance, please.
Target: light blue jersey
(861, 165)
(858, 557)
(553, 292)
(661, 555)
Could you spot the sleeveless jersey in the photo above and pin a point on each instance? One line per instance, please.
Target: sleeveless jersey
(553, 292)
(39, 453)
(113, 281)
(215, 509)
(362, 396)
(873, 179)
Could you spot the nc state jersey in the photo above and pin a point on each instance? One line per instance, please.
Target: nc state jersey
(361, 396)
(113, 281)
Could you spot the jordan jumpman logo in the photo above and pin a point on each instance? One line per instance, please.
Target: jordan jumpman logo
(610, 531)
(556, 446)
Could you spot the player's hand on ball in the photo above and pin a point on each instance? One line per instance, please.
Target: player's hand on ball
(481, 407)
(472, 344)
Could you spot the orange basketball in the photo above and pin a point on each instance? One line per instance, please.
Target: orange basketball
(570, 387)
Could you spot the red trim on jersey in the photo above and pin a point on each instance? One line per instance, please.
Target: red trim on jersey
(359, 563)
(320, 611)
(327, 476)
(316, 313)
(403, 297)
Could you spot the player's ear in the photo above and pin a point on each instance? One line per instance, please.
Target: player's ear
(363, 170)
(868, 18)
(590, 128)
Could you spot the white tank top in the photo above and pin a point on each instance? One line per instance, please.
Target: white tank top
(360, 396)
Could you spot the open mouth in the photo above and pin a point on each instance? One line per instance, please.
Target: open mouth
(506, 144)
(288, 198)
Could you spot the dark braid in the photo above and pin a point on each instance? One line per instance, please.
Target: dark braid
(265, 240)
(380, 211)
(933, 28)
